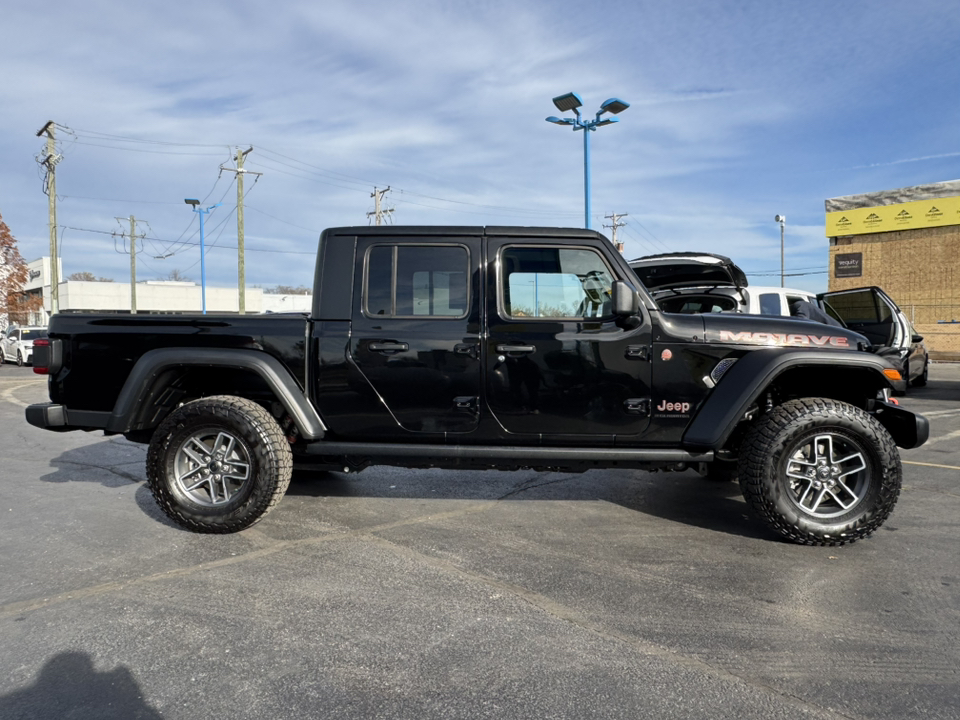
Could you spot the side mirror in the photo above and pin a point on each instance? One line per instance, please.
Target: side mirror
(916, 338)
(624, 299)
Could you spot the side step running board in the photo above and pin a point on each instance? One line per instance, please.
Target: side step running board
(537, 454)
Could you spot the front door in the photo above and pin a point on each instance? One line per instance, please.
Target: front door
(8, 346)
(416, 332)
(559, 365)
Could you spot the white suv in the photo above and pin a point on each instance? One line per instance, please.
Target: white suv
(701, 282)
(17, 343)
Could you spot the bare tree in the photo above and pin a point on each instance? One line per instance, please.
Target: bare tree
(288, 290)
(177, 276)
(87, 277)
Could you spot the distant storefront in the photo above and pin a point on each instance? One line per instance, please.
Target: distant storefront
(906, 241)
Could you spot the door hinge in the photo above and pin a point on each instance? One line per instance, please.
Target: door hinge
(471, 350)
(466, 402)
(637, 406)
(641, 352)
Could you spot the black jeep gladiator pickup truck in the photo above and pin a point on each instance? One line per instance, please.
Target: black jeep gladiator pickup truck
(495, 347)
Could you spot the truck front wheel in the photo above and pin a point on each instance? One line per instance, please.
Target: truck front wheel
(218, 464)
(820, 471)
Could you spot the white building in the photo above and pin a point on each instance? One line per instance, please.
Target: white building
(154, 296)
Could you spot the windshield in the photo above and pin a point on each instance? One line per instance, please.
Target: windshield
(33, 334)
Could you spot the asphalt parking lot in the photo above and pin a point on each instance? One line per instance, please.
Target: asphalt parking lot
(438, 594)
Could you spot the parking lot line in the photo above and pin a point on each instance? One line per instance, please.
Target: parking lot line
(8, 394)
(946, 467)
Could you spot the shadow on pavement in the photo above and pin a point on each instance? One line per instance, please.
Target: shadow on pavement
(684, 498)
(69, 686)
(112, 463)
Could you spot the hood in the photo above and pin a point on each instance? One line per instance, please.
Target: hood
(779, 331)
(682, 270)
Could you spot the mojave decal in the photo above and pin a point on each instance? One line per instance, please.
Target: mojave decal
(794, 339)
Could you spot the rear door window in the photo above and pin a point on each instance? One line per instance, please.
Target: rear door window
(770, 304)
(860, 307)
(417, 281)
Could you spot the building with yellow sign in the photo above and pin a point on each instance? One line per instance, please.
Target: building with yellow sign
(907, 242)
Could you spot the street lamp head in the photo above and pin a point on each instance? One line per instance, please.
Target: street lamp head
(191, 201)
(570, 101)
(780, 218)
(560, 121)
(614, 105)
(606, 121)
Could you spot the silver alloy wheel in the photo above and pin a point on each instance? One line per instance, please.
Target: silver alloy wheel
(211, 467)
(827, 475)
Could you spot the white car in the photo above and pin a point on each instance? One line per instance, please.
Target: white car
(17, 343)
(701, 282)
(704, 283)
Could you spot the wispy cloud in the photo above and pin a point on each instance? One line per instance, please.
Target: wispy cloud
(731, 103)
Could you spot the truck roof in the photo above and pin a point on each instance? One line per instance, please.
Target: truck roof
(440, 230)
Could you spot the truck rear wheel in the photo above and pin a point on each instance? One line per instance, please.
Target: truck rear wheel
(218, 464)
(820, 471)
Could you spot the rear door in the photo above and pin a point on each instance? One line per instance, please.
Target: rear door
(415, 335)
(870, 312)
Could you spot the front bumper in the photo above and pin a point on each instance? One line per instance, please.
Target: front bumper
(909, 430)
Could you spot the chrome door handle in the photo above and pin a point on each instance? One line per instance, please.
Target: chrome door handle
(516, 349)
(388, 347)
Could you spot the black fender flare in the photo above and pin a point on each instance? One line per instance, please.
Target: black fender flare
(746, 380)
(151, 364)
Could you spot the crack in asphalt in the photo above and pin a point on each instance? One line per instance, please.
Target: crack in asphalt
(533, 485)
(561, 612)
(569, 615)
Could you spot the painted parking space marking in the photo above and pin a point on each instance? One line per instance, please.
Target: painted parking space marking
(7, 394)
(933, 465)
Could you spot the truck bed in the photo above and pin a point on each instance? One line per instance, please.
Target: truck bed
(99, 351)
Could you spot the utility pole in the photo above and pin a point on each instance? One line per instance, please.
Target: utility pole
(241, 253)
(50, 161)
(379, 213)
(133, 261)
(782, 219)
(616, 224)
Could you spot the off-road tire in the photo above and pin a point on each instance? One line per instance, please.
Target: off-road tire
(794, 438)
(258, 461)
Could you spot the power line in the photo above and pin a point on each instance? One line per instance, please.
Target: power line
(307, 170)
(285, 222)
(129, 202)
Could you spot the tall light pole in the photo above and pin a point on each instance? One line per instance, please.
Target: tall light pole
(203, 263)
(782, 219)
(572, 101)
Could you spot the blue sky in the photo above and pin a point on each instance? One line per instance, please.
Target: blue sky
(739, 111)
